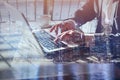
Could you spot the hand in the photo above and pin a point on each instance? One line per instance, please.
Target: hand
(64, 26)
(71, 36)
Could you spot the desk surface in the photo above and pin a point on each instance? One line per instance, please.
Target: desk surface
(22, 58)
(66, 71)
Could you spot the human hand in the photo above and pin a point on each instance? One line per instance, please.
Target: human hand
(64, 26)
(71, 36)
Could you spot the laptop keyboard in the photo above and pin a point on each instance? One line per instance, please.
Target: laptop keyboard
(46, 40)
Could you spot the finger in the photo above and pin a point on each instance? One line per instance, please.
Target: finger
(63, 28)
(71, 32)
(65, 37)
(56, 30)
(57, 39)
(62, 34)
(52, 28)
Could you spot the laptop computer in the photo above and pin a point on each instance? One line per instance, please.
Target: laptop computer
(46, 40)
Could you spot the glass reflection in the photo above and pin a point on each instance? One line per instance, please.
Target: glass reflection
(100, 72)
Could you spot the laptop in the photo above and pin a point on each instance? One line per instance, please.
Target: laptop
(46, 40)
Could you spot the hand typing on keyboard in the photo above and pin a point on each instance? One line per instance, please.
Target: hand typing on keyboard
(64, 26)
(70, 36)
(69, 33)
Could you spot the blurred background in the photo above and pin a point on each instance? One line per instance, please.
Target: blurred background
(58, 9)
